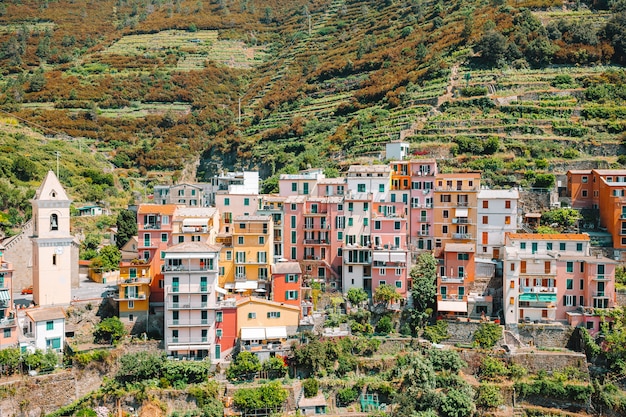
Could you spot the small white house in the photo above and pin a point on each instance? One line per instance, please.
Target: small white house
(44, 328)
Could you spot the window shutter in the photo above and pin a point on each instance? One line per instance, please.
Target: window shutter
(286, 295)
(563, 300)
(296, 292)
(125, 292)
(574, 300)
(278, 314)
(268, 314)
(286, 277)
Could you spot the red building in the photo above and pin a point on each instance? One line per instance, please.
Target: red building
(287, 286)
(225, 328)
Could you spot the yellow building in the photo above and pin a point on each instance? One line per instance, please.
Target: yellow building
(134, 293)
(247, 255)
(263, 326)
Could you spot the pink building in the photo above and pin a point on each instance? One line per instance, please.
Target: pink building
(554, 277)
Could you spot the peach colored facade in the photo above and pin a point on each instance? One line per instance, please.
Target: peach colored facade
(8, 322)
(554, 277)
(134, 292)
(154, 232)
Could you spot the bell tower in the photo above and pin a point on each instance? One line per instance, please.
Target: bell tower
(52, 244)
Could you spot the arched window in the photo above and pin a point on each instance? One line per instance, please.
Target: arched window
(54, 222)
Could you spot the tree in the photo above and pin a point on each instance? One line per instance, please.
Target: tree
(10, 360)
(424, 290)
(126, 227)
(562, 218)
(493, 46)
(457, 404)
(109, 330)
(356, 296)
(108, 259)
(386, 293)
(489, 396)
(140, 366)
(275, 367)
(268, 396)
(311, 386)
(244, 367)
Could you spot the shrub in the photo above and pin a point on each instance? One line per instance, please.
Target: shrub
(270, 396)
(311, 386)
(437, 332)
(473, 91)
(346, 396)
(384, 325)
(445, 359)
(487, 335)
(109, 330)
(457, 404)
(492, 368)
(489, 396)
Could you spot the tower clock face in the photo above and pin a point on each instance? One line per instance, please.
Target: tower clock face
(58, 250)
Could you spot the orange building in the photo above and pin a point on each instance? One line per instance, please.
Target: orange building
(287, 285)
(604, 190)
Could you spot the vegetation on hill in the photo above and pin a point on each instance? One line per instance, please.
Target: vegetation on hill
(280, 85)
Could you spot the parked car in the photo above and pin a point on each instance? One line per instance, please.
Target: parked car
(27, 290)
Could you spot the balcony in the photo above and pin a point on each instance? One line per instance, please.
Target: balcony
(452, 280)
(537, 290)
(315, 241)
(195, 229)
(152, 226)
(424, 233)
(189, 289)
(7, 322)
(600, 278)
(600, 294)
(188, 306)
(188, 268)
(462, 203)
(461, 235)
(452, 297)
(189, 323)
(460, 220)
(187, 340)
(131, 297)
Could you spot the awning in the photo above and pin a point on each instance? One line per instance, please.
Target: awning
(542, 298)
(4, 295)
(196, 222)
(221, 290)
(461, 212)
(246, 285)
(276, 332)
(229, 286)
(380, 256)
(252, 333)
(547, 298)
(397, 257)
(453, 306)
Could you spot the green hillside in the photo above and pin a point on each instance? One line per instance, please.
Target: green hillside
(279, 85)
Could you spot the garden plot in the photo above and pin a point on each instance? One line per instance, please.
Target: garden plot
(32, 27)
(193, 48)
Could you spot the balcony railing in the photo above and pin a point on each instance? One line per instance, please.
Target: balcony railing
(457, 280)
(6, 322)
(140, 296)
(537, 289)
(188, 268)
(462, 203)
(195, 229)
(600, 278)
(460, 220)
(188, 306)
(188, 323)
(461, 235)
(315, 241)
(600, 294)
(187, 340)
(189, 288)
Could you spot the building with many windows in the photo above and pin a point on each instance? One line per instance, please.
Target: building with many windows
(190, 301)
(547, 277)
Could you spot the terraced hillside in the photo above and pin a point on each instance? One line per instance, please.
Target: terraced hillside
(280, 85)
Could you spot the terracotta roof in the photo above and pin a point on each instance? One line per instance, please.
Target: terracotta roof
(287, 268)
(267, 302)
(168, 209)
(43, 314)
(193, 247)
(548, 236)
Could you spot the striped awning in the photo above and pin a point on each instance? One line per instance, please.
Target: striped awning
(4, 295)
